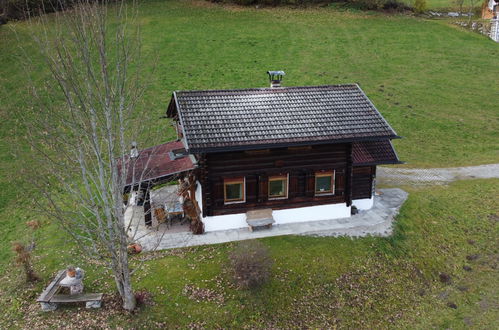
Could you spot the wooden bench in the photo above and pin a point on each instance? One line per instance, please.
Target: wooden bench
(49, 299)
(259, 218)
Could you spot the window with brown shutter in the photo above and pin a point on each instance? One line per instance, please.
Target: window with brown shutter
(234, 190)
(278, 187)
(324, 183)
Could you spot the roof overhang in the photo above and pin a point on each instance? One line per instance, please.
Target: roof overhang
(269, 145)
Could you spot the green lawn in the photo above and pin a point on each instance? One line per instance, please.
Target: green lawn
(316, 282)
(432, 81)
(444, 4)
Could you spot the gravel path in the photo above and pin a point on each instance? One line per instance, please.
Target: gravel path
(401, 176)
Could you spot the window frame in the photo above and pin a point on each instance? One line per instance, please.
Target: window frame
(332, 174)
(239, 180)
(284, 177)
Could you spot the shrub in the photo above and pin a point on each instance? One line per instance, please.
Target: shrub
(420, 6)
(143, 297)
(23, 259)
(250, 264)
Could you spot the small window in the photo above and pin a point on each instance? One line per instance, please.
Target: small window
(324, 183)
(278, 186)
(234, 190)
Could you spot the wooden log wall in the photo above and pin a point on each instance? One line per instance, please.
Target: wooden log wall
(362, 181)
(300, 164)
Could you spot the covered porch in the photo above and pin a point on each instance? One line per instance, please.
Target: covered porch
(376, 221)
(157, 185)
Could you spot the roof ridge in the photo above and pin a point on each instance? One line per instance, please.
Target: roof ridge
(283, 88)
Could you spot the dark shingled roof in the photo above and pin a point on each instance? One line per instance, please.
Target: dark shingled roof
(155, 163)
(215, 120)
(374, 153)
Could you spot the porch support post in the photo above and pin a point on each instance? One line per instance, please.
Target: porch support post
(348, 176)
(205, 186)
(147, 207)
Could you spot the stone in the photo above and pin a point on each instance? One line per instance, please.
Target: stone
(93, 304)
(48, 307)
(76, 289)
(444, 278)
(467, 268)
(472, 257)
(453, 14)
(451, 305)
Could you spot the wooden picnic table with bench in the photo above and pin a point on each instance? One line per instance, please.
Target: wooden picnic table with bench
(50, 298)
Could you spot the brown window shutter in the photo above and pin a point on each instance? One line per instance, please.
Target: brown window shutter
(310, 184)
(218, 192)
(293, 185)
(340, 182)
(262, 188)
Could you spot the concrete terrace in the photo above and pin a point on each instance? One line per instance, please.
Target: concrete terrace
(376, 221)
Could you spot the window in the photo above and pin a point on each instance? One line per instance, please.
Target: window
(324, 183)
(234, 190)
(278, 186)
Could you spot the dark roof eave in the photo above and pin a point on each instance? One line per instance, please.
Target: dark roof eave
(145, 182)
(287, 144)
(387, 162)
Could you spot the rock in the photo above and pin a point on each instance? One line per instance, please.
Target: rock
(93, 304)
(451, 305)
(472, 257)
(467, 268)
(444, 278)
(453, 14)
(48, 307)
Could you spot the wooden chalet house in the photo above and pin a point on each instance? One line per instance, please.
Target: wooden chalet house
(300, 153)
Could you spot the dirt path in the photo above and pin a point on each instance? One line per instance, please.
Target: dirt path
(401, 176)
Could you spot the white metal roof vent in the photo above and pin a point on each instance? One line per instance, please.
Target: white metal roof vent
(275, 78)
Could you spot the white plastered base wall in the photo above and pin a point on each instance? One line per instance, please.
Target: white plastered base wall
(300, 214)
(364, 203)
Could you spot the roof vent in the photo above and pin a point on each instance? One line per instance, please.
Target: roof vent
(275, 78)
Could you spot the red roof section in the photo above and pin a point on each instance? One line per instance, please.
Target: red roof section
(155, 162)
(374, 152)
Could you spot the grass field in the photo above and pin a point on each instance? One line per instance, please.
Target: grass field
(316, 282)
(443, 4)
(432, 81)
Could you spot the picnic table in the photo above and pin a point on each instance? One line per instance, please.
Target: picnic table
(50, 298)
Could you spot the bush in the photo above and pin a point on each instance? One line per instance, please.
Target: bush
(420, 6)
(23, 260)
(250, 264)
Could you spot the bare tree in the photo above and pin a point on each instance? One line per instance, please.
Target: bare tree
(81, 127)
(460, 4)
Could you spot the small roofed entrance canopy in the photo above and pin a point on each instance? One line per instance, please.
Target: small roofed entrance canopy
(157, 164)
(374, 153)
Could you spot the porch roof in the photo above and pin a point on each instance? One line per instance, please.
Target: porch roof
(156, 163)
(374, 153)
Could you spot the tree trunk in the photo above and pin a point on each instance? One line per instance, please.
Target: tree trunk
(128, 297)
(125, 289)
